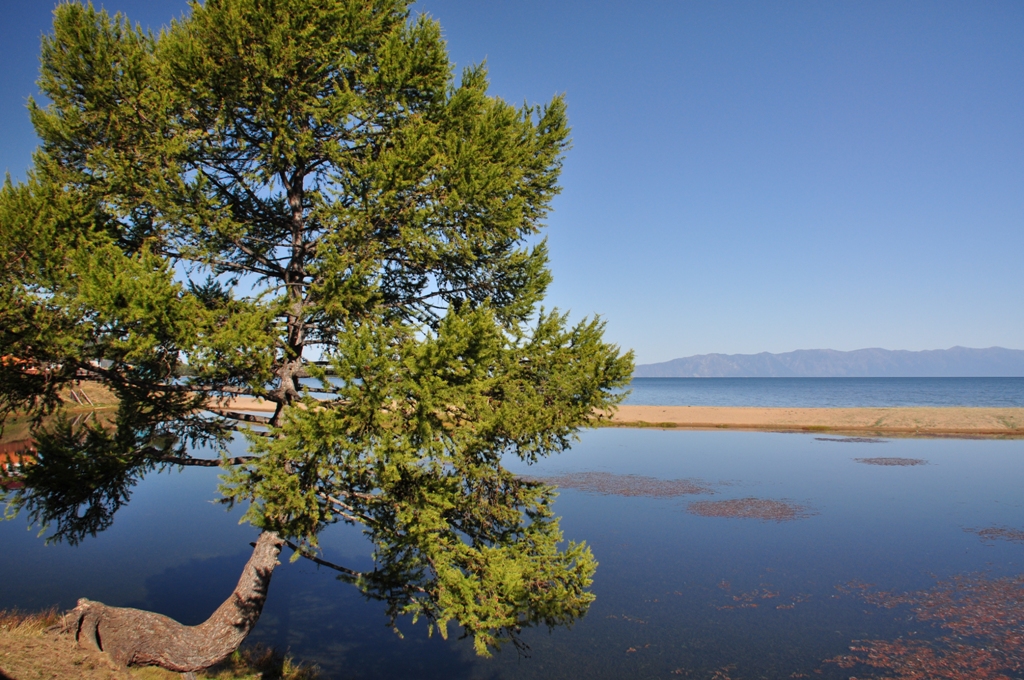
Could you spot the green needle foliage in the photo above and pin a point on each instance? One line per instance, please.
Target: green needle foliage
(266, 183)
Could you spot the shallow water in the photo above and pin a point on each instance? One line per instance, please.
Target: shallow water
(674, 589)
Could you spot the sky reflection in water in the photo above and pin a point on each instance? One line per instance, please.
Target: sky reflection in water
(678, 594)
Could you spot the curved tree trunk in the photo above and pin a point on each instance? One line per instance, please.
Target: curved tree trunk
(140, 638)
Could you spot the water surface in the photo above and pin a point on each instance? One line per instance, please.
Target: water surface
(674, 589)
(827, 392)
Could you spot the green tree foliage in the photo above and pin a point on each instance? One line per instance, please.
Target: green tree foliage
(266, 183)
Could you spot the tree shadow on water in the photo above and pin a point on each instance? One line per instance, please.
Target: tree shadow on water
(317, 620)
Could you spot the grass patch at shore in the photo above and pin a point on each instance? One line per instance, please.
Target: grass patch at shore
(639, 423)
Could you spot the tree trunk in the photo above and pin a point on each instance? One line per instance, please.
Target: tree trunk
(140, 638)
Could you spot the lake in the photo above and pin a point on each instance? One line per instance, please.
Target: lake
(892, 560)
(827, 392)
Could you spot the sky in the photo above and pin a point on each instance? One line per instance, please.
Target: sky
(745, 176)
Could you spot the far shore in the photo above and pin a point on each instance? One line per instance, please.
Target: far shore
(919, 421)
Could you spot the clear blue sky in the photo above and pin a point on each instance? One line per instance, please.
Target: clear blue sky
(745, 177)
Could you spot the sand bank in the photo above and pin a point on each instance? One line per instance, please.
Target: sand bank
(251, 404)
(912, 421)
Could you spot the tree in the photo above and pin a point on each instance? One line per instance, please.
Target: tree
(298, 202)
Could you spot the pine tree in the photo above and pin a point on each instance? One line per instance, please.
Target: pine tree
(299, 202)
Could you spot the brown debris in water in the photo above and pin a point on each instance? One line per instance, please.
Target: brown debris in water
(919, 660)
(901, 462)
(985, 621)
(748, 600)
(719, 674)
(628, 485)
(852, 440)
(999, 533)
(751, 508)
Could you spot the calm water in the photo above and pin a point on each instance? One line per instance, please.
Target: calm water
(827, 392)
(671, 586)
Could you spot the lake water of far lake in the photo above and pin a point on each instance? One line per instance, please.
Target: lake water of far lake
(827, 392)
(723, 555)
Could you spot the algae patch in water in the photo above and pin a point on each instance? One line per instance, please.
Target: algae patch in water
(751, 508)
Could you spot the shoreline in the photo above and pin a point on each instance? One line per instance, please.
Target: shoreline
(913, 421)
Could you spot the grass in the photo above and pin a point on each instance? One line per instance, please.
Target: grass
(637, 423)
(259, 661)
(31, 648)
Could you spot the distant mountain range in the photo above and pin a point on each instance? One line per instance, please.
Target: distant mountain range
(829, 363)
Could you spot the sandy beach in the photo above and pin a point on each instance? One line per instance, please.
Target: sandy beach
(911, 421)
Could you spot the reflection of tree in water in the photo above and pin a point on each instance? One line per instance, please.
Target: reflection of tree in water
(14, 456)
(82, 470)
(751, 508)
(892, 462)
(984, 618)
(628, 485)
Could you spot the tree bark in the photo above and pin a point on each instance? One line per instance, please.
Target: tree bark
(133, 637)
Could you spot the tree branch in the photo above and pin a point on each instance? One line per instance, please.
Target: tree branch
(114, 377)
(207, 462)
(345, 509)
(323, 563)
(236, 415)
